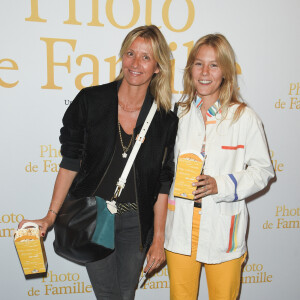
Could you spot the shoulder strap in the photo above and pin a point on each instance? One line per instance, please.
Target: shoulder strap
(139, 140)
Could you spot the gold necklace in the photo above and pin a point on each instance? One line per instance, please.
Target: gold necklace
(128, 110)
(125, 149)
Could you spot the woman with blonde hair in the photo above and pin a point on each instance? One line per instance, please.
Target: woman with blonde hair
(99, 130)
(228, 137)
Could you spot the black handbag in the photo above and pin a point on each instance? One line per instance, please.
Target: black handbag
(74, 228)
(79, 219)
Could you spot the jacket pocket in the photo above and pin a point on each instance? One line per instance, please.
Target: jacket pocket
(230, 231)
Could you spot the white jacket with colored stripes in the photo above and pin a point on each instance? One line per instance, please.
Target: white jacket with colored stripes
(238, 159)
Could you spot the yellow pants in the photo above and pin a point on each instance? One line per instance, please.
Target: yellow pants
(223, 280)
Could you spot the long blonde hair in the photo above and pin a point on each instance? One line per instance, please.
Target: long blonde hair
(229, 92)
(160, 85)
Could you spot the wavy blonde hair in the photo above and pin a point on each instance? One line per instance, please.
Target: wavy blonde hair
(160, 85)
(229, 92)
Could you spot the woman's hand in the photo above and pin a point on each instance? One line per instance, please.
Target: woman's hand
(44, 224)
(206, 185)
(63, 182)
(155, 256)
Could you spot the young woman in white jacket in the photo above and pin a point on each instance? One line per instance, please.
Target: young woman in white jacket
(214, 123)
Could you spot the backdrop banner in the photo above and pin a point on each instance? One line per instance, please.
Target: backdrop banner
(50, 49)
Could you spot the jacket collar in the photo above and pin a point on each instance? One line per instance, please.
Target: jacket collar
(212, 111)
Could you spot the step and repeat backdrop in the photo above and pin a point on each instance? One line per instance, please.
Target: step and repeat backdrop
(50, 49)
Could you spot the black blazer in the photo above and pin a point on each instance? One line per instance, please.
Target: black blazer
(88, 139)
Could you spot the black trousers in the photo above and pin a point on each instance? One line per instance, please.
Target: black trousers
(116, 276)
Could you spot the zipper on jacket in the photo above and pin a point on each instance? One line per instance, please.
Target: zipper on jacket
(136, 200)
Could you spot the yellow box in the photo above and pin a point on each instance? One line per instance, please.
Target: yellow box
(31, 250)
(189, 166)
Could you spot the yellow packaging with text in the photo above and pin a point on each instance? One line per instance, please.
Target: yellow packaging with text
(30, 248)
(189, 166)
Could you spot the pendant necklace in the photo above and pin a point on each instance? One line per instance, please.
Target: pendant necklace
(125, 148)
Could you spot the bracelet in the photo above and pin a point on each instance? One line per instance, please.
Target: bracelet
(53, 211)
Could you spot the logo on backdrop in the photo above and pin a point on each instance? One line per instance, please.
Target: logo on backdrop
(292, 101)
(285, 217)
(8, 81)
(7, 221)
(68, 46)
(10, 65)
(255, 273)
(109, 10)
(70, 283)
(277, 164)
(61, 284)
(50, 158)
(159, 280)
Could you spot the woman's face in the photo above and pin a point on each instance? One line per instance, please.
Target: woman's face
(206, 73)
(138, 63)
